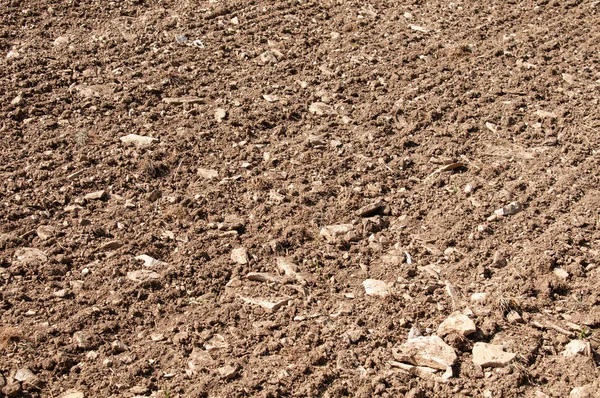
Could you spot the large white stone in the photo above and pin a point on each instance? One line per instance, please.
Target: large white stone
(457, 323)
(430, 351)
(490, 355)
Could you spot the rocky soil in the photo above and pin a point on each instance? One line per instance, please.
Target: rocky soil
(299, 198)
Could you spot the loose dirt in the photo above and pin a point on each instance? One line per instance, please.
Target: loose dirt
(167, 171)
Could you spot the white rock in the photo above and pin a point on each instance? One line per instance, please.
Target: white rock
(586, 391)
(321, 109)
(374, 287)
(430, 351)
(45, 232)
(30, 256)
(61, 41)
(220, 114)
(545, 114)
(97, 195)
(561, 273)
(332, 233)
(271, 306)
(457, 323)
(509, 209)
(208, 174)
(24, 374)
(139, 141)
(142, 275)
(149, 261)
(576, 347)
(72, 394)
(199, 359)
(479, 298)
(490, 355)
(239, 256)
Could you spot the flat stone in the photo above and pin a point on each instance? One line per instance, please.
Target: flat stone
(586, 391)
(479, 298)
(199, 359)
(97, 195)
(228, 372)
(576, 347)
(374, 287)
(509, 210)
(333, 233)
(458, 323)
(514, 317)
(369, 210)
(490, 355)
(321, 109)
(239, 256)
(30, 256)
(24, 375)
(271, 306)
(208, 174)
(142, 275)
(112, 245)
(45, 232)
(430, 351)
(139, 141)
(149, 261)
(182, 100)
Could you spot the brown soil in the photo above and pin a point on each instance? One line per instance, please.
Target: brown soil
(296, 115)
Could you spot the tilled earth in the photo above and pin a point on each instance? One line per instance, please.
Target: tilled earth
(444, 152)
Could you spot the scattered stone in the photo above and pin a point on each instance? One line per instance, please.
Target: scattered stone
(234, 21)
(429, 351)
(586, 391)
(271, 56)
(216, 342)
(24, 375)
(268, 305)
(157, 337)
(228, 372)
(479, 298)
(576, 347)
(239, 256)
(514, 317)
(118, 346)
(98, 195)
(61, 41)
(374, 287)
(423, 372)
(208, 174)
(287, 266)
(72, 394)
(45, 232)
(499, 260)
(271, 97)
(29, 256)
(419, 28)
(369, 210)
(73, 208)
(112, 245)
(81, 339)
(490, 355)
(142, 275)
(491, 126)
(18, 100)
(231, 223)
(220, 114)
(149, 261)
(458, 323)
(139, 390)
(545, 114)
(62, 293)
(509, 210)
(138, 140)
(568, 78)
(321, 109)
(561, 273)
(263, 277)
(199, 359)
(355, 335)
(335, 233)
